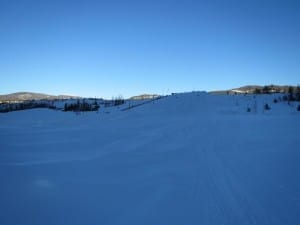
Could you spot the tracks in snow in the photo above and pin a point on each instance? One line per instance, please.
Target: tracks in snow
(227, 199)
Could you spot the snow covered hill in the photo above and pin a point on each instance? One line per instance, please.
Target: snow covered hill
(190, 158)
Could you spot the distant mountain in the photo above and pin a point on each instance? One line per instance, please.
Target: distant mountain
(256, 89)
(144, 97)
(27, 96)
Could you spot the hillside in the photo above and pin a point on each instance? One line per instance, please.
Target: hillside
(144, 97)
(27, 96)
(191, 158)
(250, 89)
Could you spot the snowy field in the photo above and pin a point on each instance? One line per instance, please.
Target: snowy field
(185, 159)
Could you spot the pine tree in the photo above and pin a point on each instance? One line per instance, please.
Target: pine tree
(267, 107)
(297, 94)
(257, 91)
(266, 90)
(291, 94)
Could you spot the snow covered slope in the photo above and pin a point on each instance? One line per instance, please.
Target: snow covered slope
(190, 158)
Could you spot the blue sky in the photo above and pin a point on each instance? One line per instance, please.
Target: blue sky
(107, 48)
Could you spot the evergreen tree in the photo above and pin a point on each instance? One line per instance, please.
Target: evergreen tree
(257, 91)
(267, 107)
(291, 94)
(297, 94)
(266, 90)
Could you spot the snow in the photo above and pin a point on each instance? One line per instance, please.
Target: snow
(190, 158)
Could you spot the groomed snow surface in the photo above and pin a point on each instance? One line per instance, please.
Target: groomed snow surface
(189, 158)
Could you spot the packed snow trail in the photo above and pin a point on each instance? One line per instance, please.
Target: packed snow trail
(186, 159)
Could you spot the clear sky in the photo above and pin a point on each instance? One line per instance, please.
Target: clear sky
(106, 48)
